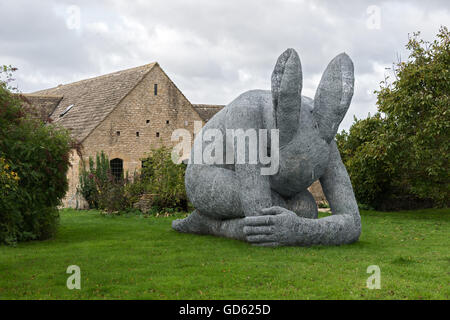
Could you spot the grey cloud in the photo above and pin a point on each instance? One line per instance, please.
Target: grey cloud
(212, 50)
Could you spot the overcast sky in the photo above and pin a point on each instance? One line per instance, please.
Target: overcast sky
(212, 50)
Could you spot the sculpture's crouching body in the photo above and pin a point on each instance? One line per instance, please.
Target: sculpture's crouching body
(235, 200)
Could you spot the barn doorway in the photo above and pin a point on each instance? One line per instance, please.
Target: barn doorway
(116, 166)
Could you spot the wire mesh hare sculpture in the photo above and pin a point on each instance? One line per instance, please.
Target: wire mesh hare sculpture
(237, 201)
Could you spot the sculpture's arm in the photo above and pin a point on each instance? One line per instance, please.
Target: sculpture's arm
(344, 226)
(279, 226)
(254, 189)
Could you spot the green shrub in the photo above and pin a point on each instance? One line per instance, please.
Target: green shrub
(39, 155)
(163, 179)
(100, 188)
(112, 197)
(8, 189)
(87, 186)
(95, 179)
(366, 160)
(160, 179)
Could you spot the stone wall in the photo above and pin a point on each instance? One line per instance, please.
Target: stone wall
(317, 192)
(72, 198)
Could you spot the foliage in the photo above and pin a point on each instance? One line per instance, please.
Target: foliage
(416, 106)
(6, 78)
(160, 180)
(94, 179)
(38, 155)
(113, 198)
(366, 160)
(100, 188)
(402, 152)
(163, 179)
(8, 189)
(323, 205)
(87, 186)
(8, 178)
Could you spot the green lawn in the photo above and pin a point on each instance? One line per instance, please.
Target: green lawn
(132, 257)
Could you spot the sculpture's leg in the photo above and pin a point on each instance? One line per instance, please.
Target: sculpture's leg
(215, 195)
(201, 224)
(214, 191)
(303, 204)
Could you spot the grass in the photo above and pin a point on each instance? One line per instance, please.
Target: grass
(132, 257)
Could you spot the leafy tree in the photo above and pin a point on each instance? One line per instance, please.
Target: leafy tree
(366, 160)
(403, 150)
(416, 106)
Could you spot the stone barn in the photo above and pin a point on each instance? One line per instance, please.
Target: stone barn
(124, 114)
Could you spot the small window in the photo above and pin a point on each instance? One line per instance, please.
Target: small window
(137, 133)
(147, 121)
(117, 133)
(186, 123)
(155, 88)
(167, 121)
(157, 134)
(116, 166)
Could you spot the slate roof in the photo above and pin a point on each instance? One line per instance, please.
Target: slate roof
(207, 111)
(92, 99)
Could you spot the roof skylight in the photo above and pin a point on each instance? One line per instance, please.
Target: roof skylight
(67, 110)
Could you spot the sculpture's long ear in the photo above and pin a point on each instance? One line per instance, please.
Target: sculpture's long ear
(334, 95)
(286, 94)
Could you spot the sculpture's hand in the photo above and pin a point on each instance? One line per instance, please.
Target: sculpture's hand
(276, 226)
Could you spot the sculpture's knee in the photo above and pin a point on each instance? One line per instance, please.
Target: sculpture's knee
(304, 205)
(213, 191)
